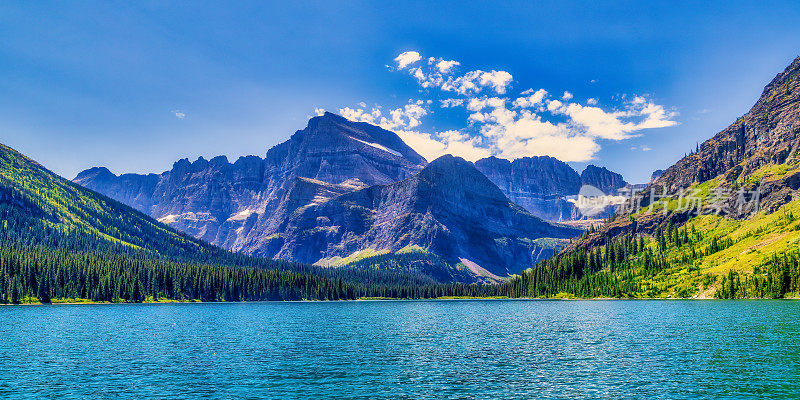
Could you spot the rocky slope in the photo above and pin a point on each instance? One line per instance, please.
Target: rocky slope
(759, 151)
(753, 162)
(222, 202)
(657, 173)
(540, 184)
(449, 209)
(607, 181)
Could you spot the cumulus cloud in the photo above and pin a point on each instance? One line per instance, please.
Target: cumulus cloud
(476, 81)
(440, 73)
(502, 123)
(406, 117)
(319, 111)
(450, 103)
(407, 58)
(444, 66)
(534, 98)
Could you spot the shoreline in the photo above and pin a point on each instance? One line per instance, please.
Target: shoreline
(58, 303)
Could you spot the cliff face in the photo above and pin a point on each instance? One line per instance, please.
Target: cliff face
(221, 202)
(538, 184)
(607, 181)
(449, 208)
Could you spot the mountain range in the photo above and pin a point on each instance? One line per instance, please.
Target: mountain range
(264, 206)
(724, 221)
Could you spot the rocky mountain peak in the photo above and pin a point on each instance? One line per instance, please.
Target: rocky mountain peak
(366, 136)
(233, 205)
(600, 177)
(95, 173)
(456, 173)
(536, 183)
(449, 208)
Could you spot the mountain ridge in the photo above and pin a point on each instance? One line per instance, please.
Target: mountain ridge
(449, 208)
(208, 199)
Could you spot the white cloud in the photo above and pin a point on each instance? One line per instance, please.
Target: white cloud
(478, 104)
(498, 80)
(475, 81)
(640, 114)
(500, 122)
(179, 114)
(528, 135)
(448, 142)
(446, 66)
(450, 103)
(439, 73)
(319, 111)
(406, 117)
(407, 58)
(553, 105)
(533, 100)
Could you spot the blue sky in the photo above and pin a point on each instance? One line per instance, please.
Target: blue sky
(136, 87)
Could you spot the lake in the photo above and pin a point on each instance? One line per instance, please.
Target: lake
(403, 349)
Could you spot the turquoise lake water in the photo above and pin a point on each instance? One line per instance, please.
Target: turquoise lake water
(403, 349)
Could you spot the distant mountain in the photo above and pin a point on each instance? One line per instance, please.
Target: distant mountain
(655, 175)
(540, 184)
(231, 204)
(449, 208)
(607, 181)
